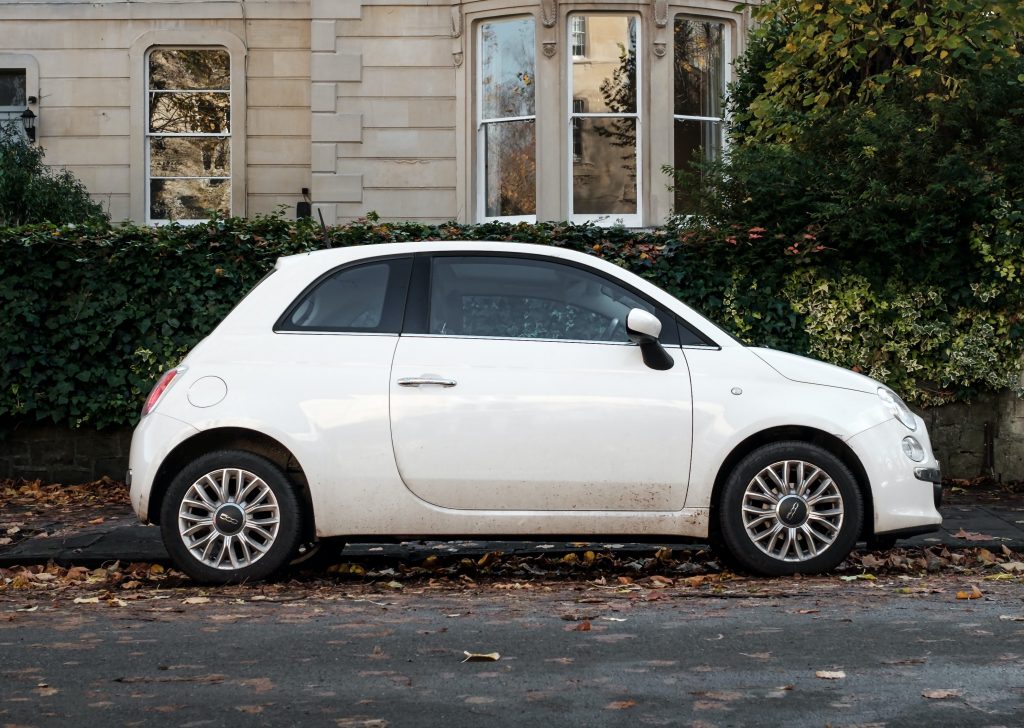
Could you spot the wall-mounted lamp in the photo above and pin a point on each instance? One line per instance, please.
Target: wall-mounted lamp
(29, 120)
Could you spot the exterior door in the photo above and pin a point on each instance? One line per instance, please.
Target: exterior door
(525, 394)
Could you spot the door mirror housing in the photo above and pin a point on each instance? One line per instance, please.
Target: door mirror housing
(644, 328)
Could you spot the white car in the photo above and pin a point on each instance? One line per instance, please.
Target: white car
(485, 389)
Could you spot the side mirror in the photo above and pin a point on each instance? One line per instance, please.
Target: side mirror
(644, 329)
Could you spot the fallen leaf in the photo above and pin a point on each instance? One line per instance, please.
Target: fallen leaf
(87, 600)
(583, 626)
(1012, 617)
(985, 556)
(620, 704)
(940, 694)
(971, 536)
(196, 600)
(830, 674)
(974, 593)
(481, 657)
(1014, 567)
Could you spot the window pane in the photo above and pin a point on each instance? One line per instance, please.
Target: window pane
(578, 35)
(352, 299)
(188, 199)
(510, 168)
(604, 178)
(507, 75)
(516, 298)
(184, 68)
(12, 87)
(178, 113)
(694, 141)
(606, 78)
(699, 68)
(189, 157)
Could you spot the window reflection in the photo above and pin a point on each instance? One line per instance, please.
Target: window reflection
(699, 87)
(604, 118)
(526, 299)
(189, 69)
(188, 133)
(12, 87)
(507, 118)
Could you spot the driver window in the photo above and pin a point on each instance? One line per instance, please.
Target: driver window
(523, 298)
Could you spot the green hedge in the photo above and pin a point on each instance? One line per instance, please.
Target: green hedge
(92, 315)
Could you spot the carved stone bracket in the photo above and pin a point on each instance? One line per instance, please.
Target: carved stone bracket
(456, 15)
(549, 13)
(457, 58)
(550, 48)
(661, 13)
(659, 49)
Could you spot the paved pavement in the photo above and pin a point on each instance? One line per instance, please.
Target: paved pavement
(120, 537)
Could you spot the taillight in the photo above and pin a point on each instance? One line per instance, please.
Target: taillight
(158, 391)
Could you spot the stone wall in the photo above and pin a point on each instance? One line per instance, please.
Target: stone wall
(62, 455)
(84, 71)
(985, 437)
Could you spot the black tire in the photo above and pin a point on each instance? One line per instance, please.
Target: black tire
(246, 561)
(833, 537)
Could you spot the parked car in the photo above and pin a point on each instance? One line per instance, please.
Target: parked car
(448, 389)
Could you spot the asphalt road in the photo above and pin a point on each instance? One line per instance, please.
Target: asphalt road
(571, 654)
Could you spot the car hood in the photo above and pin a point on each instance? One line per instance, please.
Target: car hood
(812, 371)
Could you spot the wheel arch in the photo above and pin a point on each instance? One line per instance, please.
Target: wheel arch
(232, 438)
(801, 433)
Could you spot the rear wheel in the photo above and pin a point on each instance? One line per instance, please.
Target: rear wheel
(230, 516)
(789, 508)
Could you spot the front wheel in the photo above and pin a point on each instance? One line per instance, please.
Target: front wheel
(790, 508)
(230, 516)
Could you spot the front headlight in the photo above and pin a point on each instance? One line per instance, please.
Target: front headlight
(897, 407)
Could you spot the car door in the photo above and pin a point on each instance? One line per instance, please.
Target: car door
(521, 391)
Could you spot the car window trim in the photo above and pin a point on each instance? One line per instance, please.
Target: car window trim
(424, 286)
(395, 298)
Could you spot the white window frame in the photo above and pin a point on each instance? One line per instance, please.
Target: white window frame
(186, 135)
(726, 75)
(481, 124)
(578, 35)
(30, 67)
(610, 218)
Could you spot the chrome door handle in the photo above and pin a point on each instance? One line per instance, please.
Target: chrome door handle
(426, 379)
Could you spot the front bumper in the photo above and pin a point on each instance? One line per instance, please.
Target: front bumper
(933, 476)
(906, 495)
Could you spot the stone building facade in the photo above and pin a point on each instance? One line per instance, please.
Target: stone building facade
(414, 109)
